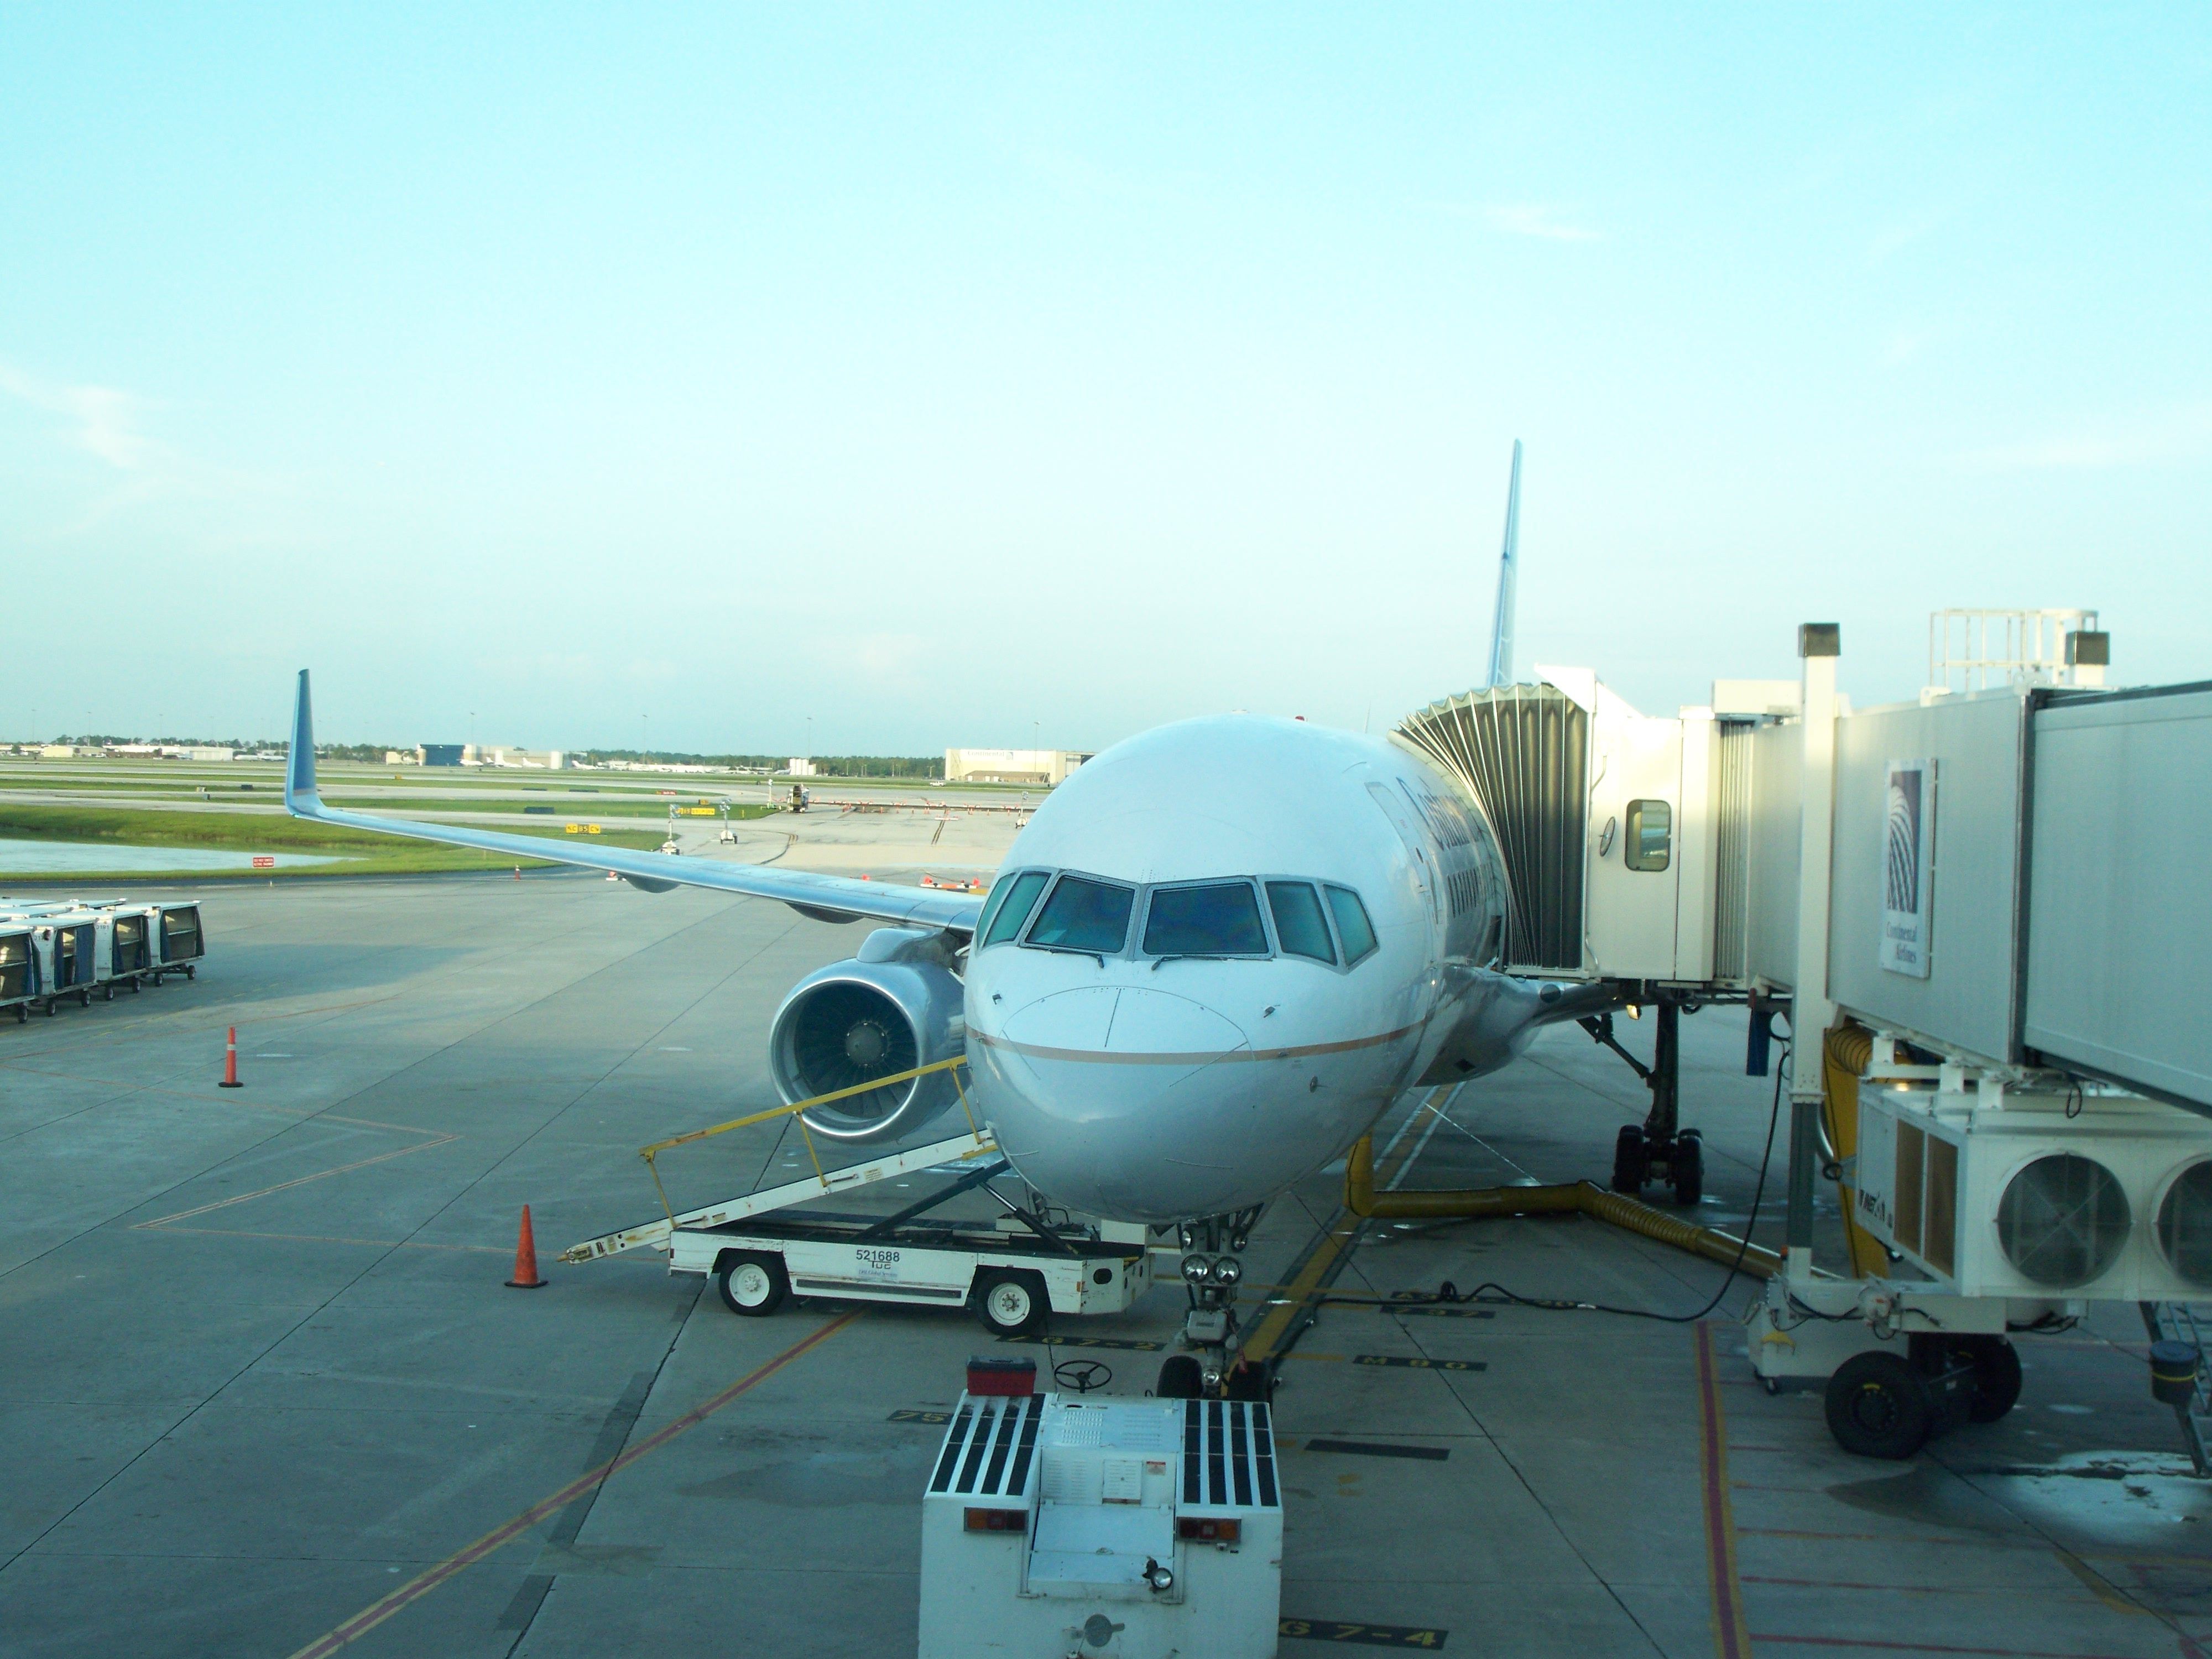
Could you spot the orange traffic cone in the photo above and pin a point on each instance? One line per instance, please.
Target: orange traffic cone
(230, 1062)
(526, 1258)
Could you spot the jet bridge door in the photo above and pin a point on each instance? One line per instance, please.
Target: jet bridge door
(1637, 850)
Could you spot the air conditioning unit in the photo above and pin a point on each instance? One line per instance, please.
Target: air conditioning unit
(2059, 1195)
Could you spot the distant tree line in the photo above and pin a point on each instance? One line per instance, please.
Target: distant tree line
(101, 740)
(839, 766)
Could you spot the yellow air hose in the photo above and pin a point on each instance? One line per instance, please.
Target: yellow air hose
(1584, 1197)
(1843, 1058)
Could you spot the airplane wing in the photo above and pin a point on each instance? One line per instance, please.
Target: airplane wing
(825, 898)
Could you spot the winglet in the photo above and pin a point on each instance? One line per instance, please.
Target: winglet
(299, 796)
(1509, 561)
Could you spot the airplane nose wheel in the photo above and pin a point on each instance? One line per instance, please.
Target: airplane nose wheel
(1212, 1270)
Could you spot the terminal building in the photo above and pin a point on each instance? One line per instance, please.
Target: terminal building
(1040, 766)
(468, 754)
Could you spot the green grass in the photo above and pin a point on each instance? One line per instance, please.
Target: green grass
(364, 853)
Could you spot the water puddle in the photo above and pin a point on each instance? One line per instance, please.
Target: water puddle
(62, 857)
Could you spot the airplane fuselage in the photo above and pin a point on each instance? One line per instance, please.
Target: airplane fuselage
(1217, 953)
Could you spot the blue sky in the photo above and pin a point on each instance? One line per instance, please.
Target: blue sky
(948, 375)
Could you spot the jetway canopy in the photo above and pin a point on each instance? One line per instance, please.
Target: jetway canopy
(2118, 962)
(2020, 875)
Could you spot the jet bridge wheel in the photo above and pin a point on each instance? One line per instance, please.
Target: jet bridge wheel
(1878, 1407)
(1992, 1385)
(753, 1283)
(1011, 1302)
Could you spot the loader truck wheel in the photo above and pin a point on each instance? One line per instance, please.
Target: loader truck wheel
(1995, 1387)
(753, 1283)
(1878, 1408)
(1011, 1302)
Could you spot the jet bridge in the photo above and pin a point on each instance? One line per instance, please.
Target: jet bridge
(1626, 839)
(1995, 908)
(1991, 900)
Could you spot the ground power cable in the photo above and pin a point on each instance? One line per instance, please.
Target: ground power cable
(1489, 1292)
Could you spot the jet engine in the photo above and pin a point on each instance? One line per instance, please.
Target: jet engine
(893, 1007)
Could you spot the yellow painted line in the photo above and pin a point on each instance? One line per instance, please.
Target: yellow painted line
(420, 1586)
(333, 1238)
(1269, 1333)
(302, 1181)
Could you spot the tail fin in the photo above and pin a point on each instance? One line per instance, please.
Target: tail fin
(299, 796)
(1509, 564)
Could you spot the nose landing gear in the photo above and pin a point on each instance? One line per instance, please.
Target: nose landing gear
(1212, 1270)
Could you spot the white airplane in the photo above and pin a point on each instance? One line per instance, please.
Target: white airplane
(1211, 960)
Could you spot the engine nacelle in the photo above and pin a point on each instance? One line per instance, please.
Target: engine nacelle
(893, 1007)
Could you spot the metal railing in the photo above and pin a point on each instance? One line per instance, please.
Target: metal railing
(2176, 1322)
(650, 1154)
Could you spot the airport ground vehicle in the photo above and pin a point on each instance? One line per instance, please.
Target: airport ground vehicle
(1012, 1271)
(81, 947)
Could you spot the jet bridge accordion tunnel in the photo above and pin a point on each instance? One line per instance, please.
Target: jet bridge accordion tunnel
(1628, 838)
(1524, 753)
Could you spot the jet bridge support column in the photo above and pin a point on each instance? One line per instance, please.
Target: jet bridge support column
(1818, 644)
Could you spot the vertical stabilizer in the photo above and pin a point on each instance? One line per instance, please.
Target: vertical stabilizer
(1509, 564)
(300, 764)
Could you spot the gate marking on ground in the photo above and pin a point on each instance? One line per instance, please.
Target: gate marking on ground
(420, 1586)
(1731, 1639)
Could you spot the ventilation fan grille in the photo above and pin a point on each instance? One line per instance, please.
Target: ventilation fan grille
(2063, 1221)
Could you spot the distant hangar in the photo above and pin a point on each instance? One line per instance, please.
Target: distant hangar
(1039, 766)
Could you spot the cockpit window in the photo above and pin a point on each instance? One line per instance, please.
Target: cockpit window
(1351, 924)
(1083, 916)
(1220, 920)
(1300, 926)
(1010, 903)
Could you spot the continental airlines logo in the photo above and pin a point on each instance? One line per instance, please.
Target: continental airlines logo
(1908, 867)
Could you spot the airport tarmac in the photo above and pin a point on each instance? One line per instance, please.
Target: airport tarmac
(267, 1393)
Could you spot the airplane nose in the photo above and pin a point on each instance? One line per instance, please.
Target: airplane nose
(1143, 1027)
(1127, 1101)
